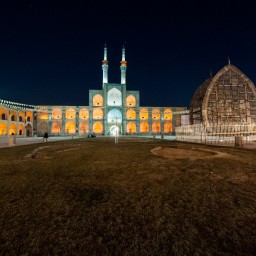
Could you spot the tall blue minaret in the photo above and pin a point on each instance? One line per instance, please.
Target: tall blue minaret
(105, 67)
(123, 67)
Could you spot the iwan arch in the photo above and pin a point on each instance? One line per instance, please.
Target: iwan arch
(111, 109)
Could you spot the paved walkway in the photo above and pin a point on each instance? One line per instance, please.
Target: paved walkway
(4, 142)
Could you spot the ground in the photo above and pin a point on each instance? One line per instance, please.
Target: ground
(137, 197)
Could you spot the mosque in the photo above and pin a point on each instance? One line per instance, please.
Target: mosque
(111, 110)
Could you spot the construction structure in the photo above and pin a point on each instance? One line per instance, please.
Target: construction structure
(222, 108)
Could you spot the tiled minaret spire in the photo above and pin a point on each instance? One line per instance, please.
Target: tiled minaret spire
(123, 67)
(105, 67)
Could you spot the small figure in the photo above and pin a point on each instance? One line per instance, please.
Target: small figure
(45, 138)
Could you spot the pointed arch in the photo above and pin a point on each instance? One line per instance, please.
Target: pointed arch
(84, 113)
(156, 127)
(114, 116)
(56, 113)
(83, 128)
(131, 101)
(56, 127)
(13, 115)
(29, 116)
(131, 114)
(13, 129)
(155, 114)
(42, 127)
(131, 128)
(167, 127)
(3, 128)
(114, 97)
(97, 113)
(28, 128)
(21, 116)
(229, 98)
(168, 114)
(70, 127)
(97, 100)
(98, 128)
(144, 114)
(70, 113)
(21, 129)
(144, 127)
(3, 114)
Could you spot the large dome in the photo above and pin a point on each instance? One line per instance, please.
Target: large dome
(227, 98)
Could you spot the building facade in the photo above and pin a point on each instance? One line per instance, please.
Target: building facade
(111, 110)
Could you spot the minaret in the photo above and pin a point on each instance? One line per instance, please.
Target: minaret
(123, 67)
(105, 67)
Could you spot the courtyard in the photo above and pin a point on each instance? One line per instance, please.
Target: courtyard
(140, 196)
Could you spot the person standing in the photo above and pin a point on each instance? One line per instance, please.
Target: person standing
(45, 138)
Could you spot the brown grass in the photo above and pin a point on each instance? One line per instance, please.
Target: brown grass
(94, 197)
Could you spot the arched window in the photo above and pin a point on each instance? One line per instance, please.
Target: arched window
(156, 127)
(131, 128)
(114, 97)
(29, 116)
(167, 114)
(144, 127)
(70, 113)
(98, 128)
(3, 114)
(131, 114)
(70, 128)
(97, 100)
(12, 129)
(56, 113)
(83, 128)
(84, 113)
(21, 129)
(156, 114)
(131, 101)
(3, 128)
(56, 127)
(97, 113)
(168, 127)
(144, 114)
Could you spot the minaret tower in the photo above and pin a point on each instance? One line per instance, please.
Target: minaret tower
(123, 67)
(105, 66)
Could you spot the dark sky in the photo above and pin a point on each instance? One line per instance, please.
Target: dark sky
(51, 51)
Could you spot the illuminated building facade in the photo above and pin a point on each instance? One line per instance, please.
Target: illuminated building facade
(112, 109)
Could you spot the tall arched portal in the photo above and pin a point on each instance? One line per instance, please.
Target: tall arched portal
(114, 121)
(114, 97)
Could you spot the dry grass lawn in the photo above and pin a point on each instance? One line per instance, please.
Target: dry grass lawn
(137, 197)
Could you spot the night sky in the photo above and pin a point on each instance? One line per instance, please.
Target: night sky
(51, 51)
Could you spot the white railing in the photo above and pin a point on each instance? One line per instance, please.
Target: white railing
(216, 133)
